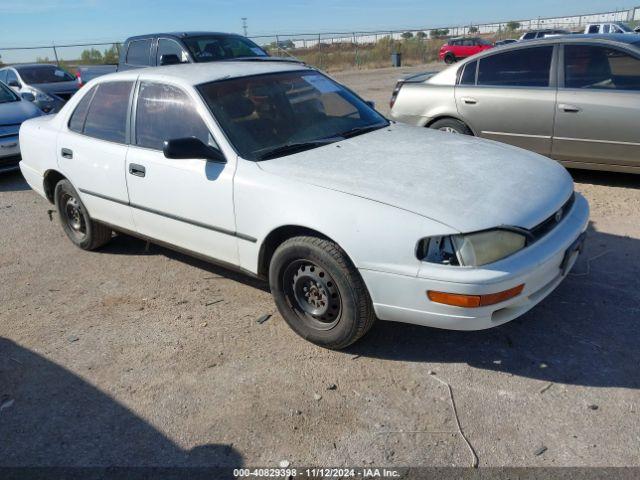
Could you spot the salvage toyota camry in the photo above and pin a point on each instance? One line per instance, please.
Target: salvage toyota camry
(277, 170)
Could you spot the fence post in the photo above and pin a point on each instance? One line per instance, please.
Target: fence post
(355, 43)
(55, 54)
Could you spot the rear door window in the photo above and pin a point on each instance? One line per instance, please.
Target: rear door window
(468, 76)
(594, 67)
(530, 67)
(594, 29)
(107, 114)
(76, 122)
(165, 112)
(138, 53)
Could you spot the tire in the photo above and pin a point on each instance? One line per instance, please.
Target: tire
(76, 222)
(319, 292)
(449, 59)
(451, 125)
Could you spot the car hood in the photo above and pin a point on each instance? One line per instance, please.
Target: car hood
(13, 113)
(57, 87)
(466, 183)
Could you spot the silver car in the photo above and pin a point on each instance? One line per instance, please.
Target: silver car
(574, 98)
(50, 85)
(13, 111)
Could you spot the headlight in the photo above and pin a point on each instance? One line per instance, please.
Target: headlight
(40, 96)
(472, 250)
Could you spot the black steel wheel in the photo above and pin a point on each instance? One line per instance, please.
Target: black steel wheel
(319, 292)
(76, 222)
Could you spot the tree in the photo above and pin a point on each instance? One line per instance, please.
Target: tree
(421, 35)
(407, 35)
(473, 29)
(91, 56)
(513, 26)
(111, 55)
(439, 32)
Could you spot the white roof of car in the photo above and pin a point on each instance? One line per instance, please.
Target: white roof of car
(198, 73)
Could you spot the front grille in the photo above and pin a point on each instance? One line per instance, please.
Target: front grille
(550, 223)
(10, 161)
(64, 95)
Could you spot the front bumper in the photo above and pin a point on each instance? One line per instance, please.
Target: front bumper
(9, 153)
(541, 267)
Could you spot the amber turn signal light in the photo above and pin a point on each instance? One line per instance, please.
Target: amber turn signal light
(473, 301)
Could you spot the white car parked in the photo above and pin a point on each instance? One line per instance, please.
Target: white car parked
(279, 171)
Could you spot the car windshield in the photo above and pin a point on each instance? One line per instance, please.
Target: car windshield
(44, 74)
(268, 116)
(624, 27)
(7, 95)
(482, 41)
(211, 48)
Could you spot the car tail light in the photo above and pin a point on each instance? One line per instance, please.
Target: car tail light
(394, 95)
(474, 301)
(79, 79)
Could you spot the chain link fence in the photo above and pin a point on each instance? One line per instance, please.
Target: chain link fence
(337, 51)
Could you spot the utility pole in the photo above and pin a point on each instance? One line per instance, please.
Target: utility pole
(244, 25)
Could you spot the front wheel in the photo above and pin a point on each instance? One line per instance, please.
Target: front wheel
(76, 222)
(319, 292)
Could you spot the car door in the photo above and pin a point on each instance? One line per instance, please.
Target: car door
(13, 81)
(138, 55)
(598, 103)
(185, 203)
(512, 98)
(168, 46)
(92, 150)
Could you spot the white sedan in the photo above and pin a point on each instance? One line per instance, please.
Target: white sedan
(277, 170)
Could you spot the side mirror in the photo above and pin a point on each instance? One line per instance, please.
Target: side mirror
(169, 59)
(14, 83)
(371, 103)
(29, 97)
(191, 147)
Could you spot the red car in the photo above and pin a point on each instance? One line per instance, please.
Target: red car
(459, 48)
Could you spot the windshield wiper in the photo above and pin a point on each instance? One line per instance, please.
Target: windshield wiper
(361, 130)
(291, 148)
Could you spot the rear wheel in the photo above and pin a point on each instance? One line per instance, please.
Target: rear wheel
(449, 58)
(76, 222)
(319, 292)
(451, 125)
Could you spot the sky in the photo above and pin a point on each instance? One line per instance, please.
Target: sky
(41, 22)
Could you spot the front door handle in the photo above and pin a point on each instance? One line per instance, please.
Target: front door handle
(66, 153)
(469, 100)
(137, 170)
(568, 108)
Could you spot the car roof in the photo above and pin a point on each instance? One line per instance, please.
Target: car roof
(18, 66)
(198, 73)
(618, 39)
(181, 35)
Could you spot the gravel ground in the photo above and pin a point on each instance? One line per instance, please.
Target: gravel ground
(135, 355)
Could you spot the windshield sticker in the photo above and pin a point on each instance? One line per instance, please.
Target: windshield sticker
(322, 84)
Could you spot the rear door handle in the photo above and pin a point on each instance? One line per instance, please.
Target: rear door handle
(137, 170)
(469, 100)
(568, 108)
(66, 153)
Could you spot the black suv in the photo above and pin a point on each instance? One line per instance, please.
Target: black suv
(187, 47)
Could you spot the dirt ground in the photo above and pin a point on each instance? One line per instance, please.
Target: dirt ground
(141, 356)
